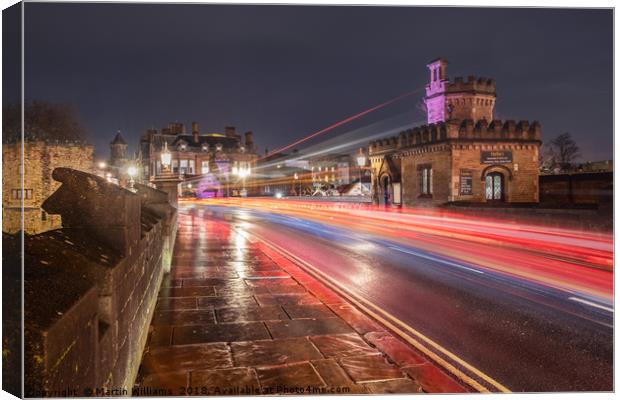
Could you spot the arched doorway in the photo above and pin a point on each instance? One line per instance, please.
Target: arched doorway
(495, 187)
(386, 190)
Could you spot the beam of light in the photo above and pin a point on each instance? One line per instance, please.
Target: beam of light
(342, 122)
(570, 260)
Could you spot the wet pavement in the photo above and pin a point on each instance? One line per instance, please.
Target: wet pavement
(236, 317)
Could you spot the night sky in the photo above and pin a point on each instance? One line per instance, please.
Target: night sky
(284, 72)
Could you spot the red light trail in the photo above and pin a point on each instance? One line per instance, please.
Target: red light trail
(340, 123)
(555, 257)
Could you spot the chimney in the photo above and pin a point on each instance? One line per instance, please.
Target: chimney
(230, 131)
(195, 132)
(249, 141)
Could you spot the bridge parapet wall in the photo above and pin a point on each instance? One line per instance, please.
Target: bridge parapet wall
(91, 286)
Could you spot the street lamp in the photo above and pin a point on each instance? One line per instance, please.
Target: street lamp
(166, 158)
(132, 172)
(102, 165)
(361, 161)
(297, 178)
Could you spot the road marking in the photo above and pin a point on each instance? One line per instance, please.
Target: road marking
(439, 260)
(391, 322)
(592, 304)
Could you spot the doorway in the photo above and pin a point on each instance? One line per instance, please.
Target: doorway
(494, 190)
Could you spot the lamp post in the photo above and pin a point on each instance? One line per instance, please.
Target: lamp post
(361, 161)
(132, 171)
(242, 172)
(296, 177)
(166, 158)
(166, 180)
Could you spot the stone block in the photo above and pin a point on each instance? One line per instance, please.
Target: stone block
(186, 358)
(307, 327)
(339, 346)
(273, 352)
(231, 381)
(219, 333)
(288, 379)
(370, 369)
(250, 314)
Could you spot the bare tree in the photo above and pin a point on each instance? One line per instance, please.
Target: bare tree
(566, 150)
(43, 120)
(547, 157)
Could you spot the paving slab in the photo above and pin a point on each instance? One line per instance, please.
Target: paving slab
(211, 333)
(304, 311)
(273, 352)
(370, 368)
(250, 314)
(340, 346)
(222, 382)
(186, 358)
(183, 317)
(307, 327)
(289, 378)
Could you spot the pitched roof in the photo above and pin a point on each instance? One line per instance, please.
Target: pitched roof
(118, 139)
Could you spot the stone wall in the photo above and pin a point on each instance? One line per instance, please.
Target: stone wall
(91, 287)
(40, 159)
(594, 188)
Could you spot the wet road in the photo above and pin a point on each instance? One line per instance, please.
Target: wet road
(525, 335)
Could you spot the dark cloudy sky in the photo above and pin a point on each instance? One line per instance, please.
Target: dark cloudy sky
(284, 72)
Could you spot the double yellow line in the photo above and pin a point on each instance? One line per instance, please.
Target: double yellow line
(467, 373)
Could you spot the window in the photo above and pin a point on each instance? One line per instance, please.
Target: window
(175, 166)
(17, 194)
(183, 166)
(43, 216)
(494, 186)
(426, 180)
(192, 166)
(204, 167)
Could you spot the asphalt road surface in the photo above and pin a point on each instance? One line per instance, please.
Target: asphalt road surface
(525, 335)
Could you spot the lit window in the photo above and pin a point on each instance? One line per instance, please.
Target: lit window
(183, 164)
(204, 169)
(427, 181)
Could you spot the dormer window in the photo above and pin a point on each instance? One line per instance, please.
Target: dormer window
(182, 147)
(242, 149)
(218, 147)
(205, 147)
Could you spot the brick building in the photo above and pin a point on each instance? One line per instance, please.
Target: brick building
(210, 162)
(462, 154)
(40, 159)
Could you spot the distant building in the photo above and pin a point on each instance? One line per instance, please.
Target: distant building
(211, 162)
(41, 157)
(462, 154)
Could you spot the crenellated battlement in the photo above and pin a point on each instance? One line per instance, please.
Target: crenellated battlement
(472, 84)
(468, 129)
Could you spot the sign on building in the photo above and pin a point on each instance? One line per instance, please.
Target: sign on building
(496, 157)
(466, 183)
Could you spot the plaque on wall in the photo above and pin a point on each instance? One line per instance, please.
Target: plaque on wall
(466, 183)
(496, 157)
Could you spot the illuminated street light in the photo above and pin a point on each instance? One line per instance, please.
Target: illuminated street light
(361, 162)
(102, 165)
(166, 158)
(132, 171)
(296, 177)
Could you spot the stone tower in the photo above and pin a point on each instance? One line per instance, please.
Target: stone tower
(472, 99)
(118, 151)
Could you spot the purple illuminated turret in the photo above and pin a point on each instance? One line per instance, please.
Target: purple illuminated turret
(473, 99)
